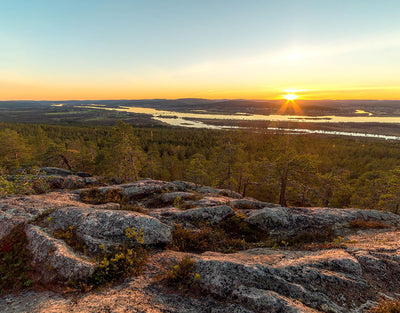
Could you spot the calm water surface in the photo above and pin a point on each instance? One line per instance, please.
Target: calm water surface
(185, 120)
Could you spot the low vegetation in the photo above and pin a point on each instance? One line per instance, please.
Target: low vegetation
(97, 196)
(119, 262)
(204, 239)
(364, 224)
(181, 275)
(14, 262)
(71, 238)
(23, 183)
(386, 306)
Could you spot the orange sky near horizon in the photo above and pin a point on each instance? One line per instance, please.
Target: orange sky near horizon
(96, 92)
(227, 49)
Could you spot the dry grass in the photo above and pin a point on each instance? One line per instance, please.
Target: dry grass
(96, 196)
(386, 306)
(204, 239)
(364, 224)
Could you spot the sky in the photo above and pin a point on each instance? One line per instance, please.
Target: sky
(216, 49)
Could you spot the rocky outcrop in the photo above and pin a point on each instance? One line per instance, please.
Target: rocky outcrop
(56, 171)
(250, 204)
(212, 215)
(347, 276)
(54, 260)
(171, 197)
(278, 220)
(99, 226)
(266, 280)
(16, 210)
(70, 182)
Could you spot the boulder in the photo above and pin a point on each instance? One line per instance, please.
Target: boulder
(221, 192)
(143, 188)
(56, 171)
(209, 201)
(54, 260)
(213, 215)
(265, 280)
(268, 301)
(98, 226)
(170, 197)
(70, 182)
(8, 222)
(291, 220)
(250, 204)
(16, 210)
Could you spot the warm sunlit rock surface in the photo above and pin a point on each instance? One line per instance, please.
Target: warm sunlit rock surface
(347, 276)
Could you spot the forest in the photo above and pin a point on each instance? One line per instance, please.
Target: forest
(293, 170)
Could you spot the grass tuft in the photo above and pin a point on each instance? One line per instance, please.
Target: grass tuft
(364, 224)
(386, 306)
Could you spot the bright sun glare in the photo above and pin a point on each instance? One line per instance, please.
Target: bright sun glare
(290, 97)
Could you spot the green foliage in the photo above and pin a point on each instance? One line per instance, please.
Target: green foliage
(123, 156)
(71, 238)
(179, 203)
(123, 261)
(307, 170)
(14, 261)
(13, 149)
(181, 275)
(23, 183)
(386, 306)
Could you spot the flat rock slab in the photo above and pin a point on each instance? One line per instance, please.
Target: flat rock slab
(327, 280)
(97, 226)
(213, 214)
(292, 220)
(15, 210)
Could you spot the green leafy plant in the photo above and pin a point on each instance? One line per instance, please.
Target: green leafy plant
(125, 260)
(179, 203)
(71, 238)
(181, 275)
(25, 183)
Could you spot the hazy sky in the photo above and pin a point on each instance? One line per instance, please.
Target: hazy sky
(115, 49)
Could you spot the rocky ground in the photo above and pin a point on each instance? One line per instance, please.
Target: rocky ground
(291, 269)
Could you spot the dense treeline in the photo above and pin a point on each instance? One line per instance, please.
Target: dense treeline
(296, 170)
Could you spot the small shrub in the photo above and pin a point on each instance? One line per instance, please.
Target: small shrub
(14, 261)
(24, 183)
(205, 239)
(71, 238)
(236, 227)
(179, 203)
(181, 275)
(364, 224)
(95, 196)
(386, 306)
(125, 260)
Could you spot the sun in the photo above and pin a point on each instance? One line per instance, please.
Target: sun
(290, 97)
